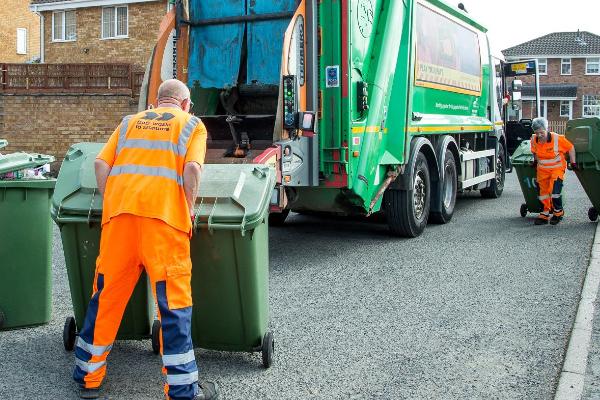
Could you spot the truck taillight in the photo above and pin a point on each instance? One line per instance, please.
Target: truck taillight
(290, 103)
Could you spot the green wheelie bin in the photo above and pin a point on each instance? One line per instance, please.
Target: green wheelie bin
(77, 210)
(25, 240)
(522, 160)
(584, 133)
(230, 260)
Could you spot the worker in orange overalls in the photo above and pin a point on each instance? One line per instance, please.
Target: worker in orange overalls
(549, 151)
(148, 173)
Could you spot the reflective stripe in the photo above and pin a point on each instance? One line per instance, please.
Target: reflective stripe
(556, 159)
(92, 349)
(550, 166)
(178, 359)
(184, 137)
(148, 171)
(88, 366)
(555, 141)
(154, 145)
(556, 196)
(123, 133)
(182, 379)
(547, 196)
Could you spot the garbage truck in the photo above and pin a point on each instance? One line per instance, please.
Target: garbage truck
(361, 106)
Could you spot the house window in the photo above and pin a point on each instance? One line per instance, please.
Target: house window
(591, 106)
(115, 22)
(542, 66)
(565, 66)
(592, 66)
(565, 108)
(21, 41)
(64, 27)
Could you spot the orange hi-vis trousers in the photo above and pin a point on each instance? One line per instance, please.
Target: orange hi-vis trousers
(550, 183)
(128, 245)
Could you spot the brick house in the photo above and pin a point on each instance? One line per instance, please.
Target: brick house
(569, 70)
(20, 32)
(99, 31)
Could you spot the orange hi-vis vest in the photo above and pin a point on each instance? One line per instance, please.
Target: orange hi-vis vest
(549, 154)
(146, 178)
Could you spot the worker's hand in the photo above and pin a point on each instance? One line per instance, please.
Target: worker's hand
(192, 218)
(573, 166)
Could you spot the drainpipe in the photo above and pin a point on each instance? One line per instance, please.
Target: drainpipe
(42, 46)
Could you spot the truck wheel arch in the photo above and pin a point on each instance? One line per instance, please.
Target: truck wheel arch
(418, 145)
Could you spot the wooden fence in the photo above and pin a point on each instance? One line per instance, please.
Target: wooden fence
(70, 78)
(557, 126)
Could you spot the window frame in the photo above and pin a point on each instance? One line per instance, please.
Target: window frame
(569, 114)
(545, 63)
(583, 105)
(64, 26)
(562, 63)
(587, 63)
(22, 52)
(115, 23)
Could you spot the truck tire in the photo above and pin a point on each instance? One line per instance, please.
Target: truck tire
(497, 187)
(446, 196)
(407, 211)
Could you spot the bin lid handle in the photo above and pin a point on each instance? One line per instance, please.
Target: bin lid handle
(212, 225)
(89, 216)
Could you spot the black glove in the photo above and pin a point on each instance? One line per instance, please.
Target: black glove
(534, 164)
(573, 166)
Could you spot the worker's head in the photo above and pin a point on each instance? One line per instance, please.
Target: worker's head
(173, 91)
(540, 127)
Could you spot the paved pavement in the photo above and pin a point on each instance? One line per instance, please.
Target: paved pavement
(480, 308)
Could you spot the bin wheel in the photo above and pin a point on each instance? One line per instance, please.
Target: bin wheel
(593, 214)
(69, 334)
(156, 337)
(523, 210)
(268, 348)
(2, 319)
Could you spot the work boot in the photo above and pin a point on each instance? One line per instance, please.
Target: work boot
(208, 391)
(89, 393)
(540, 221)
(555, 220)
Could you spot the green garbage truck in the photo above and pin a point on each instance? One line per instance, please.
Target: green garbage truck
(361, 105)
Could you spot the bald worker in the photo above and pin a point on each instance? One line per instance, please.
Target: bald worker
(148, 174)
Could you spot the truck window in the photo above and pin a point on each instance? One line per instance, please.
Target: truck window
(448, 54)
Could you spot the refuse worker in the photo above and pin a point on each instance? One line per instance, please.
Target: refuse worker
(148, 173)
(549, 151)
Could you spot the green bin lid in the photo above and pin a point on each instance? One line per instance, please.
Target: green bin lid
(76, 194)
(522, 154)
(17, 161)
(234, 196)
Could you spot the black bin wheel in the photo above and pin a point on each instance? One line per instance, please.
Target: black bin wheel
(268, 348)
(523, 210)
(69, 334)
(2, 319)
(156, 337)
(593, 214)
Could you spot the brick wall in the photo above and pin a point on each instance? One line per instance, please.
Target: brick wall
(16, 14)
(586, 85)
(49, 124)
(144, 21)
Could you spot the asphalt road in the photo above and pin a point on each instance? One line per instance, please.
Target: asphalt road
(480, 308)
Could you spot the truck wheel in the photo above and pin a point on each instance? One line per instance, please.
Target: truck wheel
(446, 196)
(407, 211)
(497, 186)
(278, 219)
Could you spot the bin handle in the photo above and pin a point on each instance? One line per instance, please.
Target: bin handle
(212, 225)
(89, 216)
